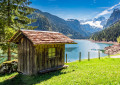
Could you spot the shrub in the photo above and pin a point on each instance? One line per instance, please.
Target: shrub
(118, 39)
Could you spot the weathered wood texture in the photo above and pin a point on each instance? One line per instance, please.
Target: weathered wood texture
(32, 59)
(44, 62)
(26, 62)
(53, 69)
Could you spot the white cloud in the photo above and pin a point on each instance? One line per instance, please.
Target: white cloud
(115, 6)
(103, 13)
(95, 24)
(108, 11)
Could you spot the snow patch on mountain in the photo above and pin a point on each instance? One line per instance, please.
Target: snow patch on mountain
(96, 24)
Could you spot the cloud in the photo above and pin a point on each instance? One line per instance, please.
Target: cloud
(108, 11)
(94, 24)
(104, 13)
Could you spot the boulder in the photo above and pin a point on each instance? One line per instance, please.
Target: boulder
(114, 49)
(9, 67)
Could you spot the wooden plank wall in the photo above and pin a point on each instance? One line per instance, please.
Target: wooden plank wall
(19, 57)
(43, 62)
(26, 59)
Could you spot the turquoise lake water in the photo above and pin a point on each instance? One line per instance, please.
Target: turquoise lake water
(84, 46)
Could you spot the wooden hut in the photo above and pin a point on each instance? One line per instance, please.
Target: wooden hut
(40, 51)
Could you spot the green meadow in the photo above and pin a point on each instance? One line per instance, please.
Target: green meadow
(105, 71)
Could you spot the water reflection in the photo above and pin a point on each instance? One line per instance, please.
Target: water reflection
(84, 46)
(70, 49)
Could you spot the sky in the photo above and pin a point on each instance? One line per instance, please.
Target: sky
(76, 9)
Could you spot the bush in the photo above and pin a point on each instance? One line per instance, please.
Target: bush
(9, 67)
(118, 39)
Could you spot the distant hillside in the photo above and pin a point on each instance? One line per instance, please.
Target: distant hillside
(90, 29)
(115, 17)
(49, 22)
(42, 22)
(108, 34)
(75, 25)
(71, 27)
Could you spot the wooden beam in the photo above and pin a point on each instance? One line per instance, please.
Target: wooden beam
(53, 69)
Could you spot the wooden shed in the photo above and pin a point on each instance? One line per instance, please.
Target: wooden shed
(40, 51)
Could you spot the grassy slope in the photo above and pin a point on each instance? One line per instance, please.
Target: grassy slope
(104, 71)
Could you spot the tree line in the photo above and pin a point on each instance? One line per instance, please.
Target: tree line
(108, 34)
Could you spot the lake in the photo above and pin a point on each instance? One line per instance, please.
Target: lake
(84, 46)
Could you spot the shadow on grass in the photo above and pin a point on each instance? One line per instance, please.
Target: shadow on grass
(2, 75)
(29, 80)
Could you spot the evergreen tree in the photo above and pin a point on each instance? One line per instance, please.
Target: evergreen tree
(13, 15)
(108, 34)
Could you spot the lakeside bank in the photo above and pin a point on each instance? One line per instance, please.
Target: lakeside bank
(104, 42)
(111, 50)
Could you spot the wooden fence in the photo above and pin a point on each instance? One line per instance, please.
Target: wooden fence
(80, 56)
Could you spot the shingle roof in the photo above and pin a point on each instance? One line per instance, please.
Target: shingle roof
(44, 37)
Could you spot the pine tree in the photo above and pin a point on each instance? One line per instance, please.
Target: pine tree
(13, 14)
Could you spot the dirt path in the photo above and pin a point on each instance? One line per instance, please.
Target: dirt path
(118, 56)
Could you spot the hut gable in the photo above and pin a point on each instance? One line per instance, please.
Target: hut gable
(43, 37)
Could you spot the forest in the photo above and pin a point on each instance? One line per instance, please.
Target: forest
(108, 34)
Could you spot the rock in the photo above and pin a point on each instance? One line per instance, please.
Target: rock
(9, 67)
(114, 49)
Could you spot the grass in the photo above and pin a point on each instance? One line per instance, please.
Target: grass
(105, 71)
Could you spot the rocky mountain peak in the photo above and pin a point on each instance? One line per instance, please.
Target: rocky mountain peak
(115, 17)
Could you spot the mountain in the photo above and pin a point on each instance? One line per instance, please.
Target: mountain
(115, 17)
(72, 28)
(100, 19)
(112, 28)
(75, 25)
(87, 27)
(42, 22)
(96, 23)
(48, 22)
(90, 29)
(108, 34)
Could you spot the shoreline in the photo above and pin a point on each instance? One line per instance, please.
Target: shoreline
(110, 42)
(104, 42)
(111, 50)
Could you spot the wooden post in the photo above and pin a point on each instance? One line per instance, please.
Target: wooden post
(66, 57)
(79, 56)
(88, 56)
(99, 54)
(108, 54)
